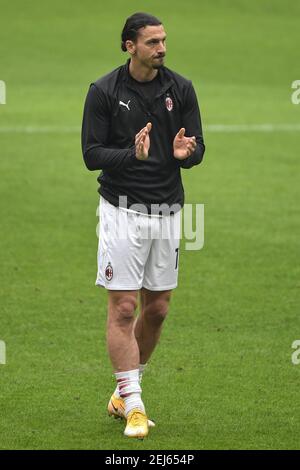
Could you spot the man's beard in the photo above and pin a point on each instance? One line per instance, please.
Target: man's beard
(158, 65)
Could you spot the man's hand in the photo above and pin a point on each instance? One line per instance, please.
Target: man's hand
(142, 142)
(183, 146)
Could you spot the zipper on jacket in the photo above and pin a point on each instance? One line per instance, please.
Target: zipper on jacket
(141, 99)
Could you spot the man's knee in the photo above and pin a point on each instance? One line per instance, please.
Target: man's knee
(157, 311)
(122, 309)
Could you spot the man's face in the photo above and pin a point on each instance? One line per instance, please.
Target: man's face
(150, 47)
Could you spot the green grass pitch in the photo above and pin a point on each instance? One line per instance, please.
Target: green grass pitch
(222, 375)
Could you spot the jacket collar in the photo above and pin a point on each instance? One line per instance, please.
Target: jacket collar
(165, 80)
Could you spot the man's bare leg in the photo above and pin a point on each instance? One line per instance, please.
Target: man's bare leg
(124, 354)
(121, 342)
(148, 326)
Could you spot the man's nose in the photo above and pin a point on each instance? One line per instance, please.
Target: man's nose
(161, 48)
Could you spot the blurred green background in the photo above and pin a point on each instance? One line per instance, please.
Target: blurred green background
(222, 376)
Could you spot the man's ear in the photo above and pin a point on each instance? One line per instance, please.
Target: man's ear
(131, 47)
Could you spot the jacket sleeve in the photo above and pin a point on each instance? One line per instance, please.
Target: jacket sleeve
(96, 150)
(191, 121)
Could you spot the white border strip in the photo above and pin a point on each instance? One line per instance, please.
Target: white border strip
(225, 128)
(252, 128)
(39, 130)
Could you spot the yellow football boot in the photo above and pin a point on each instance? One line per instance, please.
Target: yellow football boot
(116, 408)
(137, 424)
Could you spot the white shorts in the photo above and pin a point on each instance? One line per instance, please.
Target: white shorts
(137, 250)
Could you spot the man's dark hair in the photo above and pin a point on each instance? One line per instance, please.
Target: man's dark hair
(133, 24)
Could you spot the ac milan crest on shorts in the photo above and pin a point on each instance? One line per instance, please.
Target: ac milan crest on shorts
(109, 272)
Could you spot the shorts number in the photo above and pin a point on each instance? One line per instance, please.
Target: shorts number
(176, 263)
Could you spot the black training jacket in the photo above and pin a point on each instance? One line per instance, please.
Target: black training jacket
(108, 137)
